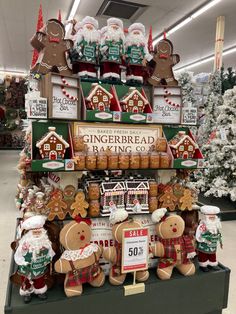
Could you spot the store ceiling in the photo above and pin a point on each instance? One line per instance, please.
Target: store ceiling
(18, 20)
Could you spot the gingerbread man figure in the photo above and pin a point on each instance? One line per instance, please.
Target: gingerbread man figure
(69, 197)
(186, 200)
(168, 200)
(57, 206)
(52, 48)
(79, 206)
(164, 61)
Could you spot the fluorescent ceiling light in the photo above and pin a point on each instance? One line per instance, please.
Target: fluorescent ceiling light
(188, 19)
(204, 8)
(205, 60)
(72, 13)
(9, 72)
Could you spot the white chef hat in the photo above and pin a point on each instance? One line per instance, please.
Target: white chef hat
(90, 20)
(34, 222)
(137, 26)
(115, 21)
(118, 215)
(210, 210)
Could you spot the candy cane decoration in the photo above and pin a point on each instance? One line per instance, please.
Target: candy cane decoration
(64, 81)
(167, 100)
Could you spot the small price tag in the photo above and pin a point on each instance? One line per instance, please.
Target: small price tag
(189, 116)
(134, 250)
(223, 134)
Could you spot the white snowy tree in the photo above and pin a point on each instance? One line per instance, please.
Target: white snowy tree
(214, 101)
(185, 80)
(220, 177)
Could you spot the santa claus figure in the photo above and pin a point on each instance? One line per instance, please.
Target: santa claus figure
(103, 32)
(33, 255)
(208, 235)
(136, 52)
(86, 48)
(112, 49)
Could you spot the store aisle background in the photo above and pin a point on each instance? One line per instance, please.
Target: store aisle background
(8, 214)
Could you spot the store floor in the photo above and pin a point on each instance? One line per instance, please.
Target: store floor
(8, 214)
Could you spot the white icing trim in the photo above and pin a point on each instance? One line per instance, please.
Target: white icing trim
(73, 255)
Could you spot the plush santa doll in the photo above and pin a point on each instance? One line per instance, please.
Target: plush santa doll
(208, 235)
(112, 49)
(103, 32)
(33, 254)
(136, 52)
(86, 45)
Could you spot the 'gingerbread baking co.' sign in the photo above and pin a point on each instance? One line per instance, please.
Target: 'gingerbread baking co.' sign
(117, 138)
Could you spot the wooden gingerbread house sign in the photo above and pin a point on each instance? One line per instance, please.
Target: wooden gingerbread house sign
(183, 146)
(99, 98)
(112, 195)
(133, 101)
(52, 146)
(137, 196)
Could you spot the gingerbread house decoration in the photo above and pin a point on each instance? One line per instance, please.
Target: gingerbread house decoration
(112, 195)
(52, 146)
(183, 146)
(133, 101)
(137, 196)
(99, 98)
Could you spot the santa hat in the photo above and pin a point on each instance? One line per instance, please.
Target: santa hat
(210, 210)
(118, 215)
(78, 26)
(114, 21)
(34, 222)
(90, 20)
(159, 214)
(137, 26)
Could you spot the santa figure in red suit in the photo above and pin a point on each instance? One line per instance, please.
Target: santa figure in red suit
(112, 49)
(136, 52)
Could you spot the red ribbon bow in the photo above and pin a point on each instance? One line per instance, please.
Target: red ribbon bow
(163, 56)
(79, 219)
(163, 218)
(54, 39)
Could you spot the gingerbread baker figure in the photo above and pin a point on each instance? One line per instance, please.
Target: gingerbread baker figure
(164, 60)
(86, 45)
(33, 255)
(136, 52)
(208, 235)
(52, 48)
(112, 50)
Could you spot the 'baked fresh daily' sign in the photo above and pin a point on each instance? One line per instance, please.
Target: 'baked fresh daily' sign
(117, 138)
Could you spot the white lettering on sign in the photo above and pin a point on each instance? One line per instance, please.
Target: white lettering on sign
(135, 250)
(125, 139)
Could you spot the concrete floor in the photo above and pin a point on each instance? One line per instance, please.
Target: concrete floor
(8, 215)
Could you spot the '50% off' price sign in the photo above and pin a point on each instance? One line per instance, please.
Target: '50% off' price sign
(135, 250)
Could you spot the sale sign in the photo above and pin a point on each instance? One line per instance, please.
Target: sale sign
(135, 250)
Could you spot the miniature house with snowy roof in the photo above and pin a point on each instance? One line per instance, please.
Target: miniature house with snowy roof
(99, 98)
(137, 196)
(52, 146)
(182, 145)
(133, 101)
(112, 195)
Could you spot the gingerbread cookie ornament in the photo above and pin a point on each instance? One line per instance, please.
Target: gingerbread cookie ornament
(186, 200)
(69, 197)
(168, 199)
(52, 48)
(164, 61)
(79, 206)
(57, 207)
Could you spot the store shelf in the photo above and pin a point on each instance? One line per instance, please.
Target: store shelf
(203, 293)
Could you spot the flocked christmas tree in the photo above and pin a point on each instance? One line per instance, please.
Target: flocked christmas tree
(214, 101)
(185, 80)
(220, 177)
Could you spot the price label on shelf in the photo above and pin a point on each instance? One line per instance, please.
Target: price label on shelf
(134, 250)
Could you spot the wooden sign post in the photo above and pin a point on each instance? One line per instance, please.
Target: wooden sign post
(219, 44)
(134, 256)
